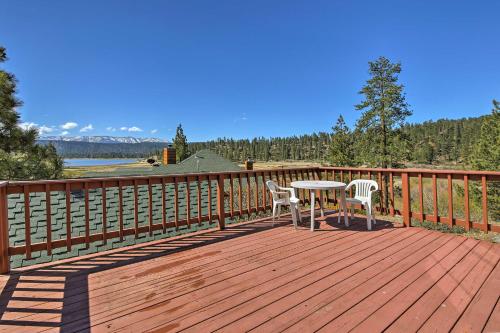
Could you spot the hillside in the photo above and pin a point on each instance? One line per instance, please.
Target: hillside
(77, 149)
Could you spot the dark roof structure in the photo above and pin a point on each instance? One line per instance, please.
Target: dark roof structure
(203, 161)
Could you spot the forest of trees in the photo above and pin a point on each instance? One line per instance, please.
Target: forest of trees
(432, 142)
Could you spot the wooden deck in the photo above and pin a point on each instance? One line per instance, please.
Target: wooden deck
(252, 277)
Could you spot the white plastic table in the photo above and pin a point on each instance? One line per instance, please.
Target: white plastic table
(322, 185)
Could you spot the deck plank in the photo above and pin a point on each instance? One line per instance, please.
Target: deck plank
(475, 317)
(254, 277)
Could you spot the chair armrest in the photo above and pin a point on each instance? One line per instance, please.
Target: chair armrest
(348, 186)
(289, 189)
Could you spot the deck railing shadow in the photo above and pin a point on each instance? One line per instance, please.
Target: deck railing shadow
(27, 298)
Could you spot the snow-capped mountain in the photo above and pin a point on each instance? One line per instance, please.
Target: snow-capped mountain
(101, 139)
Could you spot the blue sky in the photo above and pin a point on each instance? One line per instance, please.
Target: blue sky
(241, 68)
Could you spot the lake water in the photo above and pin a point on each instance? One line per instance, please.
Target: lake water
(74, 162)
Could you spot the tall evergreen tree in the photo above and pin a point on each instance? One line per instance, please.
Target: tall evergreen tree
(384, 112)
(20, 156)
(181, 144)
(341, 145)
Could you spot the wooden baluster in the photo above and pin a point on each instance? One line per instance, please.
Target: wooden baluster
(48, 210)
(188, 203)
(104, 212)
(163, 205)
(209, 200)
(150, 192)
(220, 202)
(435, 197)
(27, 221)
(391, 194)
(176, 204)
(334, 192)
(466, 202)
(406, 199)
(68, 217)
(136, 209)
(120, 208)
(256, 192)
(4, 230)
(421, 197)
(450, 201)
(264, 194)
(240, 195)
(484, 203)
(231, 195)
(198, 181)
(350, 180)
(249, 201)
(87, 215)
(381, 192)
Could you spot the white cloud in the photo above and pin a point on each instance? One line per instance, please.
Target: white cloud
(69, 125)
(131, 129)
(87, 128)
(45, 129)
(154, 131)
(64, 133)
(28, 125)
(111, 129)
(134, 129)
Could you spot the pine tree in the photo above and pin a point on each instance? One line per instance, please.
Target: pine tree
(384, 113)
(180, 144)
(341, 145)
(20, 156)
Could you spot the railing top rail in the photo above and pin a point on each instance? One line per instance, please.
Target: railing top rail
(228, 173)
(145, 177)
(413, 170)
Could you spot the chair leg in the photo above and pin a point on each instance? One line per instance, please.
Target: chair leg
(279, 211)
(368, 218)
(339, 211)
(372, 215)
(299, 214)
(293, 209)
(274, 212)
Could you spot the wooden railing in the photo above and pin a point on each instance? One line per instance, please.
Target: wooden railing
(429, 195)
(148, 205)
(112, 209)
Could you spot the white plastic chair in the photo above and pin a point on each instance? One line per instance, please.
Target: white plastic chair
(363, 196)
(284, 196)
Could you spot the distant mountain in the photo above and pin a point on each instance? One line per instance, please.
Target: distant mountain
(101, 139)
(104, 146)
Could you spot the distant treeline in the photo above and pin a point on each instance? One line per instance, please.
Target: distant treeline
(74, 149)
(429, 142)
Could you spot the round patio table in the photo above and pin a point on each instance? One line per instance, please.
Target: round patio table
(323, 185)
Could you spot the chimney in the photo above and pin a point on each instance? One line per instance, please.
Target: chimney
(249, 164)
(169, 156)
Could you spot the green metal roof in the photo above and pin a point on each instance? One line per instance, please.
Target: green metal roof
(203, 161)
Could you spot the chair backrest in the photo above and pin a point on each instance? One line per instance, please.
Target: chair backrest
(273, 188)
(364, 187)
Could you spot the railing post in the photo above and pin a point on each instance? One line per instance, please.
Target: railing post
(4, 230)
(220, 202)
(406, 199)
